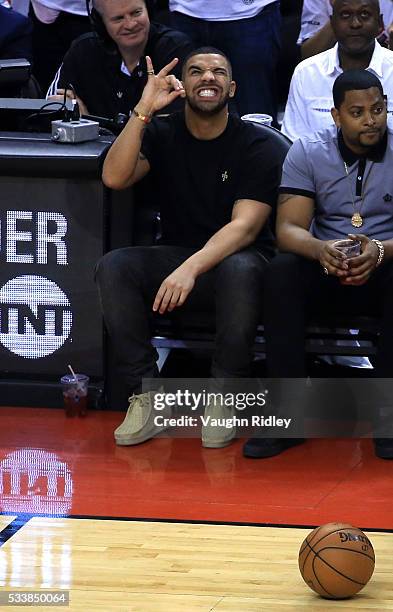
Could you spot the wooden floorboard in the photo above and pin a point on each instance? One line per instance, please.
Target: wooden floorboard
(148, 567)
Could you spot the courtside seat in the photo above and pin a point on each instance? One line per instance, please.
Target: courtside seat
(196, 330)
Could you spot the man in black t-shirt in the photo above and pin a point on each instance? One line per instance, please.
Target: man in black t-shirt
(107, 69)
(216, 185)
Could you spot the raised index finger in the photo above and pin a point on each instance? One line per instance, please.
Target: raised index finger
(167, 69)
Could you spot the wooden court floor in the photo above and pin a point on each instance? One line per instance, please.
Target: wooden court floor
(133, 529)
(121, 565)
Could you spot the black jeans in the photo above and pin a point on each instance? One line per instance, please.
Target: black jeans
(296, 288)
(128, 280)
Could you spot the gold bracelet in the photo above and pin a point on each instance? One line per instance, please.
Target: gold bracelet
(381, 251)
(145, 118)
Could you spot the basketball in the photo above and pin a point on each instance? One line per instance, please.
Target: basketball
(336, 560)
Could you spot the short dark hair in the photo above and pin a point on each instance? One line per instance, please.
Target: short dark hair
(354, 80)
(336, 5)
(207, 50)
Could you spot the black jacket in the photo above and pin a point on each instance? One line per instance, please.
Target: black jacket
(94, 70)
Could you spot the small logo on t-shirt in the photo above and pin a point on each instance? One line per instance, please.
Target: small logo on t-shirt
(119, 94)
(224, 176)
(387, 197)
(248, 1)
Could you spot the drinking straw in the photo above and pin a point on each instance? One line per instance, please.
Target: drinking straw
(78, 386)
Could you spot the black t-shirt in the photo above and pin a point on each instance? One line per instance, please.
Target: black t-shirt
(198, 181)
(95, 71)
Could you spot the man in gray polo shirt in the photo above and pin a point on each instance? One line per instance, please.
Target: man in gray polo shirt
(336, 183)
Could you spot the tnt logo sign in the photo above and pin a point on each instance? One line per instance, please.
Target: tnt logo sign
(35, 316)
(35, 481)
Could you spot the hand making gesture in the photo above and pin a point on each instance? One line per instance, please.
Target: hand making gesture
(161, 89)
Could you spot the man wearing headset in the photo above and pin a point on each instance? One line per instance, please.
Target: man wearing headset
(107, 68)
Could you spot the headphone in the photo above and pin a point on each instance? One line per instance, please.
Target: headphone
(98, 25)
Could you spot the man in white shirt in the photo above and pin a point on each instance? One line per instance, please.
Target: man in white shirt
(316, 33)
(355, 23)
(249, 34)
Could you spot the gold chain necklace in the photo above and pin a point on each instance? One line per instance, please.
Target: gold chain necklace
(357, 219)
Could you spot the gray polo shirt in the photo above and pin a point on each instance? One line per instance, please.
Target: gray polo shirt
(314, 167)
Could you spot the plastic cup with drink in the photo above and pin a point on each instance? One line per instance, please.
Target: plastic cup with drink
(349, 248)
(75, 390)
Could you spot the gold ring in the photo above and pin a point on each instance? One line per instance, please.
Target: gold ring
(150, 72)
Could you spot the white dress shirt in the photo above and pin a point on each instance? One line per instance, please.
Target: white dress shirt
(310, 97)
(47, 11)
(217, 10)
(316, 13)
